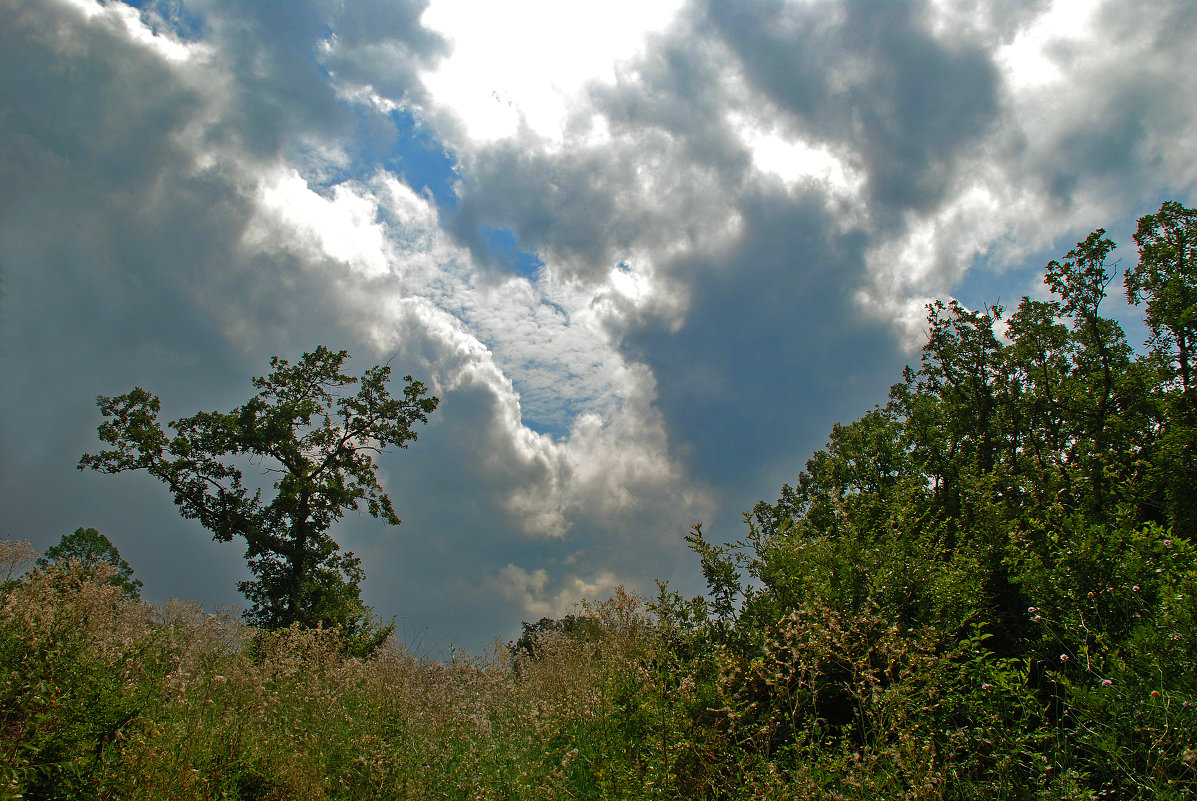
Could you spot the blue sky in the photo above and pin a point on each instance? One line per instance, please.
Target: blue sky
(646, 253)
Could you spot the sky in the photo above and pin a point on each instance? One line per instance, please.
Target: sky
(645, 253)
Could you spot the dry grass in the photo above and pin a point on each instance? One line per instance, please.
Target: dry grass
(178, 703)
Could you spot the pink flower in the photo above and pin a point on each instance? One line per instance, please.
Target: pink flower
(1032, 609)
(1167, 543)
(985, 686)
(1135, 588)
(1106, 682)
(1063, 657)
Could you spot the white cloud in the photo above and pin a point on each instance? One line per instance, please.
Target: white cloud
(524, 63)
(537, 595)
(796, 161)
(1046, 51)
(343, 227)
(535, 348)
(709, 189)
(126, 19)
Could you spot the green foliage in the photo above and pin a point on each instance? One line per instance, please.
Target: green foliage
(533, 634)
(104, 697)
(89, 547)
(72, 681)
(986, 587)
(318, 439)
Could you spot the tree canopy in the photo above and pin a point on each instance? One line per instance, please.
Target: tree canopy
(89, 548)
(317, 438)
(1008, 538)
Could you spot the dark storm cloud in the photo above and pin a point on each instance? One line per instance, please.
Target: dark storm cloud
(282, 55)
(772, 340)
(124, 261)
(381, 43)
(909, 95)
(869, 75)
(771, 347)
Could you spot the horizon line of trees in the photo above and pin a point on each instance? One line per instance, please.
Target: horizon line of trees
(999, 557)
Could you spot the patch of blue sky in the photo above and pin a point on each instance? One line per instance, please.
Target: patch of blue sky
(507, 254)
(423, 162)
(407, 151)
(183, 22)
(990, 284)
(552, 420)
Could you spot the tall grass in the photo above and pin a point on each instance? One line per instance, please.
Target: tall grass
(104, 697)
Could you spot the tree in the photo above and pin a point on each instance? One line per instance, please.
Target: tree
(90, 548)
(983, 564)
(319, 442)
(1100, 355)
(1166, 280)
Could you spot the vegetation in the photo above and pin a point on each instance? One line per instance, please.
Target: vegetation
(89, 547)
(320, 443)
(983, 589)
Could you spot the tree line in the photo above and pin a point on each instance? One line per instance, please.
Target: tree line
(996, 564)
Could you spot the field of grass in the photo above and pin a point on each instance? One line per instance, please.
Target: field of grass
(103, 696)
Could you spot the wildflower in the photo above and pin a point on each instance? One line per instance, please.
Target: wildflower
(1037, 618)
(1106, 682)
(1167, 543)
(985, 686)
(1063, 657)
(1135, 588)
(1032, 609)
(1155, 693)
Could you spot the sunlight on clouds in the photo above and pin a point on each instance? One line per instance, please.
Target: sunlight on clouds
(795, 161)
(628, 284)
(498, 73)
(933, 256)
(1035, 56)
(366, 96)
(601, 471)
(479, 336)
(342, 227)
(128, 20)
(538, 596)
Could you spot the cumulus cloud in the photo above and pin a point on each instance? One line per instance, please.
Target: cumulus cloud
(537, 597)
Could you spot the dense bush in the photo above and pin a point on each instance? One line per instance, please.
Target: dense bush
(985, 588)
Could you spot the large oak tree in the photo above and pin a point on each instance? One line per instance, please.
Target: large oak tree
(317, 438)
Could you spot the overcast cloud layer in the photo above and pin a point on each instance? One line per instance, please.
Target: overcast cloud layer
(646, 257)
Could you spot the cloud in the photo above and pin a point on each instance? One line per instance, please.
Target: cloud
(538, 597)
(733, 213)
(495, 81)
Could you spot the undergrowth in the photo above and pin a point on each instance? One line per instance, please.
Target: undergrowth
(103, 697)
